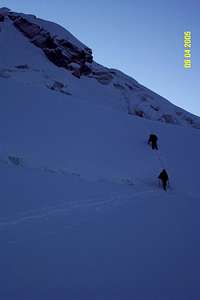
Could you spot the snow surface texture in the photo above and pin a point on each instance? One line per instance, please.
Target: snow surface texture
(82, 215)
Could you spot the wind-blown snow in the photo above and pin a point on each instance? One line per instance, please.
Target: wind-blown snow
(82, 215)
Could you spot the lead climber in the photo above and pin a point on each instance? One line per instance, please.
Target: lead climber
(153, 141)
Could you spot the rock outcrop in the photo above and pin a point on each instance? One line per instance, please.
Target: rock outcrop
(59, 51)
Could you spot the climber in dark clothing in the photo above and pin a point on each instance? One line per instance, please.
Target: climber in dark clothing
(153, 141)
(163, 176)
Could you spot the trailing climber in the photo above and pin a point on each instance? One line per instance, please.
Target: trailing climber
(163, 176)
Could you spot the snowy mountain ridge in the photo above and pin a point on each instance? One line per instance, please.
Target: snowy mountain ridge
(47, 54)
(82, 212)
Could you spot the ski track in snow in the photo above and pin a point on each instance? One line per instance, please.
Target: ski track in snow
(54, 210)
(67, 208)
(140, 187)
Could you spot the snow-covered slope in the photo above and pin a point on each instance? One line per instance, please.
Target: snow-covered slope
(43, 53)
(82, 215)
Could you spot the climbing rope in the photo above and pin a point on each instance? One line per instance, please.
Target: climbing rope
(162, 163)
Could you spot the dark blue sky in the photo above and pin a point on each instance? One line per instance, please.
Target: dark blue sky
(143, 38)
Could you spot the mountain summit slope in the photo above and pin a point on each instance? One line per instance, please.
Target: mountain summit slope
(82, 214)
(45, 54)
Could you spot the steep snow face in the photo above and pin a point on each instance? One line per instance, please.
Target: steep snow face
(50, 129)
(48, 55)
(82, 215)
